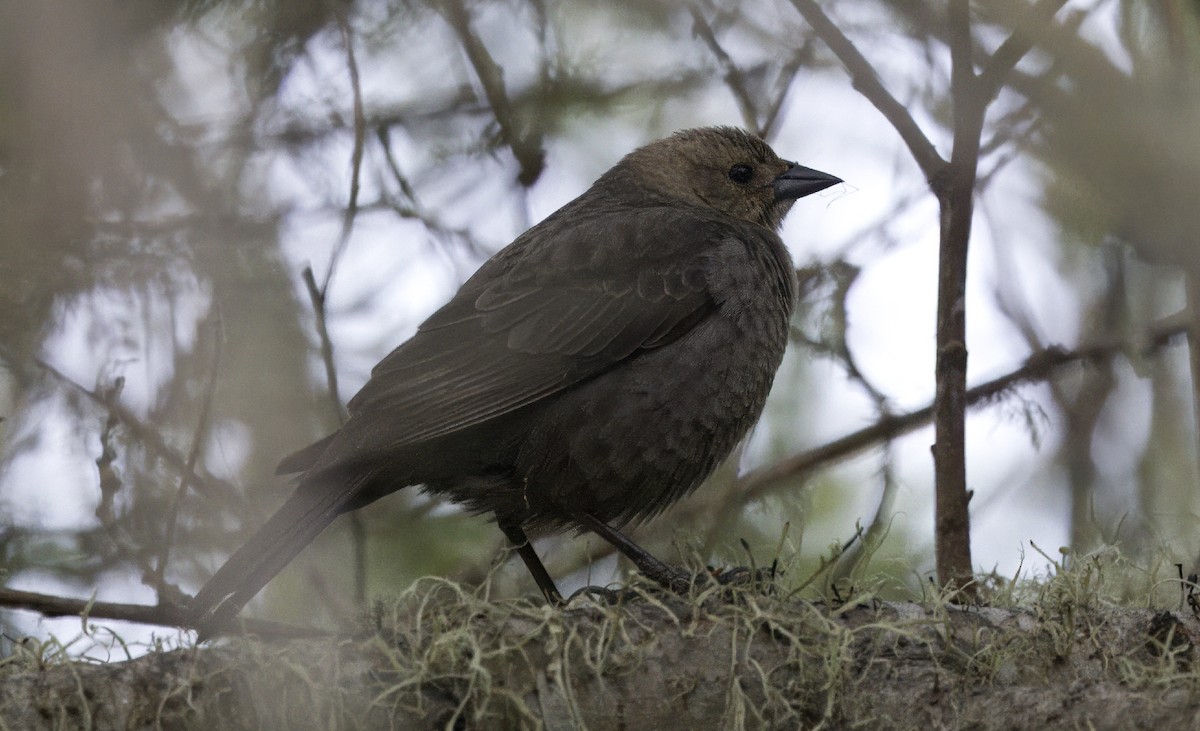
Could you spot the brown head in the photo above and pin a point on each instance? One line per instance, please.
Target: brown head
(722, 168)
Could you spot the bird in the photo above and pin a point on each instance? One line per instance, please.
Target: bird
(588, 375)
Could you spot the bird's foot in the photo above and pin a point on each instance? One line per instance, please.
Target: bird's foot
(600, 594)
(727, 582)
(749, 577)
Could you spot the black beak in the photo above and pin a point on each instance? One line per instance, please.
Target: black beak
(798, 181)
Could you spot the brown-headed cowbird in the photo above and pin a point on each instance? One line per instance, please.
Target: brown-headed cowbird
(587, 376)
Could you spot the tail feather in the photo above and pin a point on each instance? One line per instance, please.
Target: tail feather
(302, 459)
(281, 538)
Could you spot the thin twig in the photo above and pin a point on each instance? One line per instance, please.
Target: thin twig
(357, 533)
(853, 556)
(1039, 366)
(320, 297)
(356, 156)
(995, 72)
(331, 378)
(198, 439)
(732, 74)
(867, 82)
(414, 209)
(526, 148)
(213, 488)
(111, 485)
(787, 75)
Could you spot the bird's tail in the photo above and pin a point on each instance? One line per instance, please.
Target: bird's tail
(306, 513)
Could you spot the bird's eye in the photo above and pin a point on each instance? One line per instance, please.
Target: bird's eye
(741, 174)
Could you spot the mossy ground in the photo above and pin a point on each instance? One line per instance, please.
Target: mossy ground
(1099, 643)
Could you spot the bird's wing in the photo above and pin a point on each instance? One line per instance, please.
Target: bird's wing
(516, 334)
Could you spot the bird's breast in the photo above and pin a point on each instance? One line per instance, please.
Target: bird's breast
(629, 442)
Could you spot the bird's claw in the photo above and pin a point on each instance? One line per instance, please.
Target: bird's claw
(600, 594)
(746, 576)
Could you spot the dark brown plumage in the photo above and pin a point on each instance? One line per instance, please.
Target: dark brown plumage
(588, 375)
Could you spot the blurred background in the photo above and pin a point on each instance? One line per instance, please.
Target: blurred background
(168, 171)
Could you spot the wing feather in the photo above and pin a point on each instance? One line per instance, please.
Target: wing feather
(515, 333)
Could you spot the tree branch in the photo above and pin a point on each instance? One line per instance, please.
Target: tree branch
(198, 439)
(732, 75)
(356, 156)
(867, 82)
(317, 296)
(213, 488)
(955, 191)
(164, 615)
(995, 72)
(1040, 366)
(526, 148)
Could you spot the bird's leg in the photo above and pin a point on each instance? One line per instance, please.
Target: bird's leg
(655, 570)
(517, 537)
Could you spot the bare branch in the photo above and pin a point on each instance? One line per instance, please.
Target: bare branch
(526, 148)
(356, 156)
(786, 76)
(732, 75)
(961, 44)
(995, 72)
(414, 209)
(198, 439)
(1040, 366)
(867, 82)
(317, 296)
(165, 615)
(955, 190)
(213, 488)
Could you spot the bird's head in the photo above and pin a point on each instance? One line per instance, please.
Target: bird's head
(722, 168)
